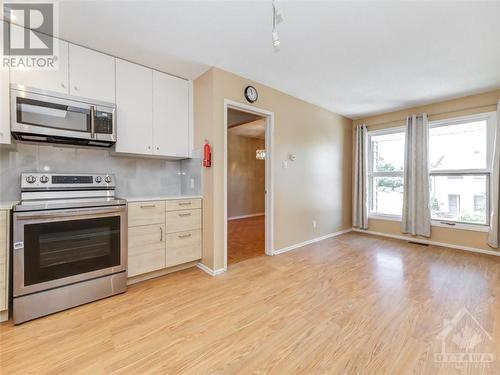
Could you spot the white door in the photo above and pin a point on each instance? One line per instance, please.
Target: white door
(134, 98)
(170, 115)
(48, 79)
(91, 74)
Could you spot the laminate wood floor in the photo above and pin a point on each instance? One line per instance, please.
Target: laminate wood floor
(354, 304)
(245, 239)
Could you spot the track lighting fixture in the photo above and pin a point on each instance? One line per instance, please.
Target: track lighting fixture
(277, 19)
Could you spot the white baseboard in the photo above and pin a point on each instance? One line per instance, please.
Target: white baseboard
(317, 239)
(428, 242)
(245, 216)
(210, 271)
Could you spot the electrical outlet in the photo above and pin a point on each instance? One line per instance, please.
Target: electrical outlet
(284, 163)
(191, 183)
(315, 224)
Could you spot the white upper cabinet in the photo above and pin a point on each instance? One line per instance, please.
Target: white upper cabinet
(170, 115)
(4, 100)
(51, 79)
(4, 107)
(91, 74)
(134, 100)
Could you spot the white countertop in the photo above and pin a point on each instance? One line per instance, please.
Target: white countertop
(160, 198)
(7, 205)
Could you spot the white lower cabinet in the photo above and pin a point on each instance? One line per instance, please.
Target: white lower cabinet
(163, 234)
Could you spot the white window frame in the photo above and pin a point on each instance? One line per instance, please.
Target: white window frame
(491, 118)
(491, 122)
(372, 174)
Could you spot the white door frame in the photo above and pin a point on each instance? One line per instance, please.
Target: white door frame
(269, 188)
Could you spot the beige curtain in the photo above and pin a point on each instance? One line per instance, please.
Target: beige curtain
(494, 234)
(360, 198)
(416, 211)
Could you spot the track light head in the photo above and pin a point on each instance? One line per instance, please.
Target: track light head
(276, 39)
(280, 17)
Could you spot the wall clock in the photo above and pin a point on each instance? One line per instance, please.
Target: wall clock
(251, 94)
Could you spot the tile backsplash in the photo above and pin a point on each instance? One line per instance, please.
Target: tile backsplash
(135, 176)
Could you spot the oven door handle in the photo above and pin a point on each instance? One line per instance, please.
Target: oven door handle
(69, 214)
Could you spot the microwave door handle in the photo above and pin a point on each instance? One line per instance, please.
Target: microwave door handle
(92, 121)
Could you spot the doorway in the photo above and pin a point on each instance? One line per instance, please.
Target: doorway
(248, 182)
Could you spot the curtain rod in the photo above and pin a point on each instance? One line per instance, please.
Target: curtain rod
(432, 114)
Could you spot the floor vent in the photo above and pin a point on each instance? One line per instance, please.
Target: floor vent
(418, 243)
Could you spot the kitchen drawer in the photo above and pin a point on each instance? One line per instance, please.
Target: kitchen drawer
(146, 249)
(146, 213)
(178, 221)
(183, 204)
(183, 247)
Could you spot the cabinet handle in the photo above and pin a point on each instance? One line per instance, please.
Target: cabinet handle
(148, 206)
(184, 203)
(186, 214)
(184, 235)
(76, 88)
(161, 234)
(62, 85)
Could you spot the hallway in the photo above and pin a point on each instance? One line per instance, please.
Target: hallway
(245, 239)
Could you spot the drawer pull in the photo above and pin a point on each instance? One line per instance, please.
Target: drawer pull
(148, 206)
(185, 235)
(161, 234)
(185, 214)
(184, 203)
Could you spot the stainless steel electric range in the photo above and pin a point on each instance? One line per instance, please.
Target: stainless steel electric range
(69, 243)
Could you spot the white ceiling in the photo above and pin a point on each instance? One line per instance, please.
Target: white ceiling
(354, 58)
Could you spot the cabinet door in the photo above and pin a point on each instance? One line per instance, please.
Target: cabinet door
(4, 101)
(91, 74)
(4, 107)
(170, 115)
(134, 97)
(146, 249)
(51, 80)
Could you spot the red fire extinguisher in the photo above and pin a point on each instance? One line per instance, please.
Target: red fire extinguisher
(207, 155)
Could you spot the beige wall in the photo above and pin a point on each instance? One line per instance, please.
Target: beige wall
(317, 186)
(447, 109)
(245, 176)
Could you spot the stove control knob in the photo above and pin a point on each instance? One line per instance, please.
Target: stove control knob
(30, 179)
(107, 179)
(98, 179)
(44, 179)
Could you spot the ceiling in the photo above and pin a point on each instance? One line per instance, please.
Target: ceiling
(254, 129)
(354, 58)
(235, 117)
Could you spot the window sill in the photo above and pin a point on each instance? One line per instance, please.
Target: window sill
(385, 217)
(462, 226)
(435, 223)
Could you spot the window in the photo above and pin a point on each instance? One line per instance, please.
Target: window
(385, 171)
(453, 203)
(460, 153)
(479, 204)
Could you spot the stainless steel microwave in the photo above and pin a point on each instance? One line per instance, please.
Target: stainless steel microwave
(43, 116)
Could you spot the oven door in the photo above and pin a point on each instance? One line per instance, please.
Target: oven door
(43, 114)
(60, 247)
